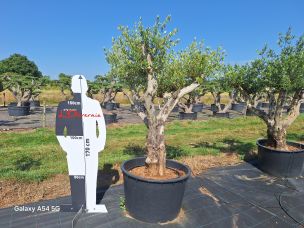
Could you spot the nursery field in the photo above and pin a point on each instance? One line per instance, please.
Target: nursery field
(35, 155)
(52, 96)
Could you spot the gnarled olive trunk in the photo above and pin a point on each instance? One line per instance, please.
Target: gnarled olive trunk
(156, 149)
(187, 108)
(21, 95)
(217, 101)
(276, 123)
(276, 136)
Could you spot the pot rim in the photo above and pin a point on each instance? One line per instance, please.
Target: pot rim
(258, 143)
(179, 179)
(12, 106)
(186, 113)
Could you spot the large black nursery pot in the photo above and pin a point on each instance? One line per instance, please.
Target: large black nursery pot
(188, 116)
(214, 108)
(18, 110)
(110, 118)
(280, 163)
(239, 107)
(197, 107)
(34, 104)
(175, 109)
(109, 106)
(116, 105)
(12, 104)
(263, 105)
(249, 113)
(153, 201)
(302, 108)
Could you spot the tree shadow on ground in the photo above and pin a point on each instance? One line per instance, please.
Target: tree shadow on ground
(173, 152)
(106, 176)
(230, 145)
(26, 163)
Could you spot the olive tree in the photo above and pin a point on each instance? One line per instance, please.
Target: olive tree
(143, 58)
(280, 76)
(38, 85)
(64, 83)
(19, 75)
(218, 84)
(93, 88)
(109, 86)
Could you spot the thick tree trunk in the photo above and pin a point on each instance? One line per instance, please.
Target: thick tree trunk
(217, 100)
(156, 149)
(108, 96)
(186, 107)
(276, 136)
(230, 102)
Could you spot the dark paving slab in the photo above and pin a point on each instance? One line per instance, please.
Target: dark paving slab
(236, 196)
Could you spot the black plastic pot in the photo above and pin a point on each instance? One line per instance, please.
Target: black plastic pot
(116, 105)
(12, 104)
(249, 113)
(197, 107)
(214, 108)
(302, 108)
(280, 163)
(109, 106)
(18, 110)
(221, 114)
(110, 118)
(175, 109)
(239, 107)
(264, 105)
(153, 201)
(187, 116)
(34, 104)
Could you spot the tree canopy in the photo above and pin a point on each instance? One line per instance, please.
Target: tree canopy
(20, 75)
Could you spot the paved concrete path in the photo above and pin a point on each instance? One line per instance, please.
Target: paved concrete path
(236, 196)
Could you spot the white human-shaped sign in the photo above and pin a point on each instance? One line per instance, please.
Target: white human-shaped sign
(81, 132)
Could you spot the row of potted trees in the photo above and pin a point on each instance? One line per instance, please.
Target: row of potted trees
(23, 79)
(144, 60)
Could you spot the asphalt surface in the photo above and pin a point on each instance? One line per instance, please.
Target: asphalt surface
(236, 196)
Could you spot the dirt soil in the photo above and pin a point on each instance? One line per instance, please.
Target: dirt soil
(288, 148)
(18, 193)
(170, 173)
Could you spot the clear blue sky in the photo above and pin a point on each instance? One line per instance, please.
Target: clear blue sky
(69, 35)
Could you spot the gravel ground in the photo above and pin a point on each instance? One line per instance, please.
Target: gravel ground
(34, 120)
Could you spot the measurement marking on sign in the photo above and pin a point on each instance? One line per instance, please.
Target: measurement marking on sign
(74, 103)
(75, 137)
(87, 147)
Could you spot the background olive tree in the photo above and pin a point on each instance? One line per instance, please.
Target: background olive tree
(20, 76)
(64, 83)
(218, 84)
(280, 77)
(109, 86)
(144, 60)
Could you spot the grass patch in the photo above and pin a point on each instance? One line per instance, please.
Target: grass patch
(35, 156)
